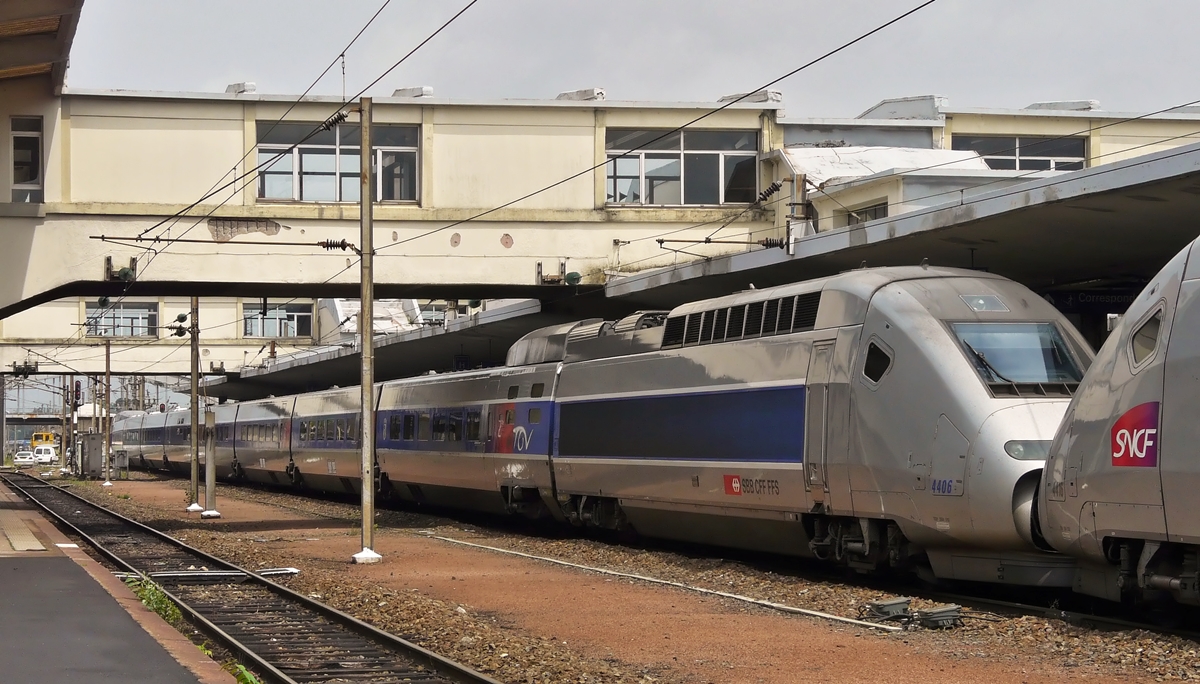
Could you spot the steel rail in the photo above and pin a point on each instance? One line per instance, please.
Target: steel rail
(383, 641)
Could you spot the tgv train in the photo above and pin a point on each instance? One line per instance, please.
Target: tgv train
(1123, 474)
(881, 417)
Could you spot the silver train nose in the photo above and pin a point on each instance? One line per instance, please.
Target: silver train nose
(1009, 454)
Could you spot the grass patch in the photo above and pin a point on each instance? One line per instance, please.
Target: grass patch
(154, 598)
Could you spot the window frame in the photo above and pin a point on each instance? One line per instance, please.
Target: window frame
(857, 217)
(682, 151)
(1159, 309)
(37, 190)
(862, 371)
(1014, 153)
(294, 153)
(290, 318)
(93, 323)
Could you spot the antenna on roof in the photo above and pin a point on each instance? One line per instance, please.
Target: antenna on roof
(752, 286)
(925, 262)
(863, 264)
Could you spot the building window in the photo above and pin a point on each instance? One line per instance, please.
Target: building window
(1026, 153)
(27, 159)
(123, 319)
(681, 168)
(278, 320)
(326, 167)
(875, 211)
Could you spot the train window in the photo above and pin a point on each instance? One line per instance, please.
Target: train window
(770, 317)
(330, 430)
(352, 432)
(455, 431)
(877, 363)
(341, 429)
(473, 426)
(513, 391)
(1145, 339)
(538, 389)
(1009, 353)
(439, 427)
(275, 432)
(393, 427)
(509, 416)
(423, 431)
(737, 318)
(754, 319)
(535, 416)
(719, 321)
(410, 426)
(787, 306)
(691, 334)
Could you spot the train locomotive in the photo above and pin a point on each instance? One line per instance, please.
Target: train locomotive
(885, 417)
(1122, 474)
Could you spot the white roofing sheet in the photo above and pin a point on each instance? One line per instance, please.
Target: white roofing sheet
(822, 164)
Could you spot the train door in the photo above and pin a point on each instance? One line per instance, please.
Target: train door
(816, 420)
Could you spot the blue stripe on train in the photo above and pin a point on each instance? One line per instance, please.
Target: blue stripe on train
(741, 425)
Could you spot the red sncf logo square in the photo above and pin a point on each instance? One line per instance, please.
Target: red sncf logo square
(733, 485)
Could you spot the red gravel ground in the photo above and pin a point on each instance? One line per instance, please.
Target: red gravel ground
(697, 638)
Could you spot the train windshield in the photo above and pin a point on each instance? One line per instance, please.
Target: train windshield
(1017, 352)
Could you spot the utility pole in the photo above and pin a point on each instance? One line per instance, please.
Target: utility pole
(66, 424)
(3, 419)
(108, 419)
(76, 400)
(366, 317)
(194, 329)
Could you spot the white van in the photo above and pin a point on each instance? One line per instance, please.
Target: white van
(44, 455)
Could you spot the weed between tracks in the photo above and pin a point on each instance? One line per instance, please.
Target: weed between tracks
(156, 600)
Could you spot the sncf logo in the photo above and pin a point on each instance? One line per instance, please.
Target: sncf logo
(1135, 437)
(733, 485)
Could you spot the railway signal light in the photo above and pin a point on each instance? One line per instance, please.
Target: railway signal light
(78, 394)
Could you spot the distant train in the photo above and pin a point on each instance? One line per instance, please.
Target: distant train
(888, 417)
(1122, 481)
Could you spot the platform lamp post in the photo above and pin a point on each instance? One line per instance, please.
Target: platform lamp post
(366, 317)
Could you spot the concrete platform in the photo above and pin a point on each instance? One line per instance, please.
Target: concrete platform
(65, 618)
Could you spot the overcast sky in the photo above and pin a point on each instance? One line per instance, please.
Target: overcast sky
(979, 53)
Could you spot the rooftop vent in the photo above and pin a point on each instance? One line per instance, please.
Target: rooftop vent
(415, 91)
(240, 88)
(756, 96)
(582, 95)
(1068, 105)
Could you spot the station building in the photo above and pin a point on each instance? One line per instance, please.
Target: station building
(87, 172)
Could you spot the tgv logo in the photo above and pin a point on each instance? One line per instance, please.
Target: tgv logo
(1135, 437)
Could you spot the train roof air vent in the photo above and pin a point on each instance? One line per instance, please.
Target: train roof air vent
(640, 320)
(545, 345)
(673, 334)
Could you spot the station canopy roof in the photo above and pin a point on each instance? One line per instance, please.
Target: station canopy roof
(35, 38)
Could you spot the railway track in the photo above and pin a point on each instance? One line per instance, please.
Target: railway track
(285, 637)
